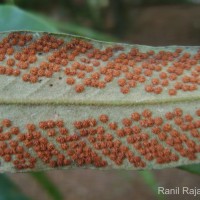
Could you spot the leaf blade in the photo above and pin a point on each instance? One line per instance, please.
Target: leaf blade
(195, 169)
(166, 134)
(47, 184)
(8, 190)
(23, 20)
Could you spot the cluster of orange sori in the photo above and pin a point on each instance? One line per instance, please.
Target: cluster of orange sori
(23, 60)
(11, 150)
(73, 146)
(106, 143)
(18, 149)
(139, 139)
(87, 66)
(7, 52)
(166, 133)
(44, 149)
(165, 145)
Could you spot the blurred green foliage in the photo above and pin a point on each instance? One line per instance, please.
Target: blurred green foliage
(195, 169)
(36, 22)
(9, 191)
(13, 18)
(159, 2)
(149, 179)
(99, 15)
(47, 184)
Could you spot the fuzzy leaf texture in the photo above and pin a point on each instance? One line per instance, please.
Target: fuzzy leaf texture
(68, 101)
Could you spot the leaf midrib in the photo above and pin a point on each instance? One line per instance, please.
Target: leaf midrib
(96, 102)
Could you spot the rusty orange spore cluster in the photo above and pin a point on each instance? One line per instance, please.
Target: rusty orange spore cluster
(84, 65)
(140, 139)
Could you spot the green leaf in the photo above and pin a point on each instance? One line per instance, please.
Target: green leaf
(9, 191)
(149, 179)
(84, 103)
(83, 31)
(195, 169)
(28, 21)
(47, 184)
(13, 18)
